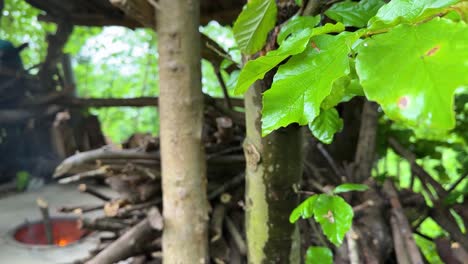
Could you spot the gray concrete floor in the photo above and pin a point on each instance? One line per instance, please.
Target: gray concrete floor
(16, 209)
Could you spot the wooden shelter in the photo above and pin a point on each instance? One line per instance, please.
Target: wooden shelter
(41, 118)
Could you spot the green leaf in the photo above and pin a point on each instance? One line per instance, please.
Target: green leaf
(22, 180)
(256, 69)
(343, 90)
(348, 187)
(298, 2)
(334, 215)
(417, 77)
(326, 125)
(295, 24)
(300, 85)
(294, 44)
(354, 14)
(304, 210)
(407, 11)
(253, 24)
(322, 255)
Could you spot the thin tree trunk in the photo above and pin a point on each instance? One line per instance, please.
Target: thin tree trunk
(181, 110)
(274, 167)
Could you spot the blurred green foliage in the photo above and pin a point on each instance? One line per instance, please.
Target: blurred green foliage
(111, 62)
(19, 24)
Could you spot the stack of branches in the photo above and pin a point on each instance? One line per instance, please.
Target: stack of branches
(133, 172)
(387, 217)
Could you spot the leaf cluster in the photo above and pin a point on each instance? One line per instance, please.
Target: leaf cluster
(409, 56)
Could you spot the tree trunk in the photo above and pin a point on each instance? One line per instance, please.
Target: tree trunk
(273, 168)
(181, 111)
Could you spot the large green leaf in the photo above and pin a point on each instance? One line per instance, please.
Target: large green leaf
(256, 69)
(300, 85)
(304, 210)
(352, 13)
(294, 44)
(295, 24)
(253, 24)
(407, 11)
(413, 71)
(319, 255)
(334, 215)
(326, 125)
(344, 89)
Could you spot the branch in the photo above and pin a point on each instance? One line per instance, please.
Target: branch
(365, 151)
(127, 245)
(405, 246)
(416, 168)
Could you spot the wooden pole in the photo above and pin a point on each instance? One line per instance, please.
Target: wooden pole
(185, 204)
(44, 208)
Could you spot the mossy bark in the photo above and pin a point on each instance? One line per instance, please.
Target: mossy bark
(185, 206)
(274, 167)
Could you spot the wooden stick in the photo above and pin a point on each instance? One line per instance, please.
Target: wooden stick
(227, 99)
(85, 175)
(44, 208)
(104, 224)
(405, 247)
(236, 236)
(80, 209)
(226, 186)
(336, 169)
(416, 168)
(217, 219)
(86, 189)
(127, 245)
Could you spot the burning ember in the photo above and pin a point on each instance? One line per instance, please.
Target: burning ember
(65, 231)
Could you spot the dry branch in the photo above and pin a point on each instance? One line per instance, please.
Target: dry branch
(406, 249)
(127, 245)
(236, 236)
(44, 208)
(89, 190)
(104, 224)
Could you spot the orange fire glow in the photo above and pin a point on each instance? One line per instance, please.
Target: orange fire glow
(62, 242)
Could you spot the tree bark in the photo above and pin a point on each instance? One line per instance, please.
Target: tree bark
(273, 168)
(182, 156)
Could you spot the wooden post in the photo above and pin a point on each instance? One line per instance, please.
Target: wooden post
(185, 203)
(44, 208)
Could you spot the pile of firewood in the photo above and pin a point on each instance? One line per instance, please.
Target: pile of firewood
(133, 171)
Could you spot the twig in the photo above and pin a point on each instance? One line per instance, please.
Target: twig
(221, 54)
(456, 183)
(127, 245)
(130, 208)
(330, 161)
(217, 219)
(237, 237)
(416, 168)
(352, 247)
(226, 186)
(305, 192)
(363, 206)
(406, 250)
(104, 224)
(80, 209)
(86, 189)
(44, 208)
(84, 175)
(222, 152)
(423, 235)
(219, 76)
